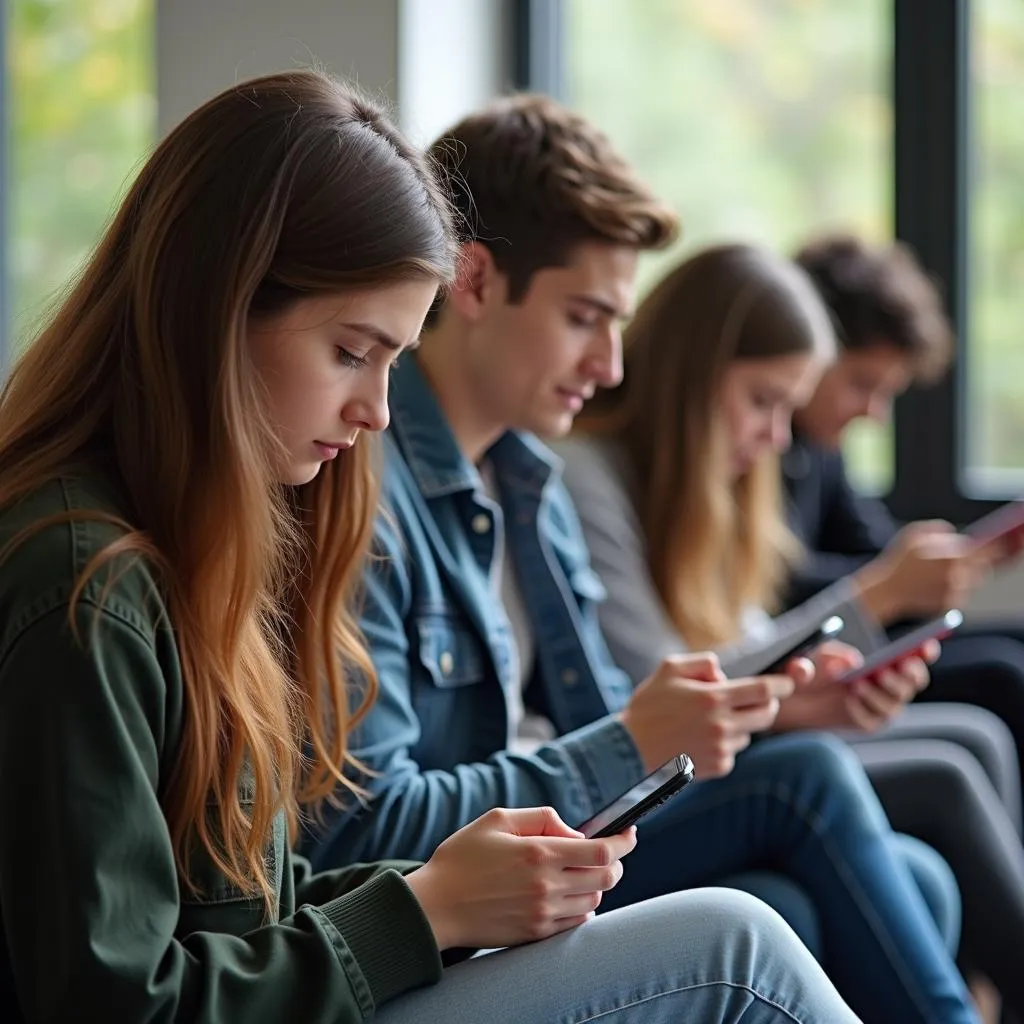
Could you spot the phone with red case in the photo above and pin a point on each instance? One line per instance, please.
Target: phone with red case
(1005, 524)
(904, 647)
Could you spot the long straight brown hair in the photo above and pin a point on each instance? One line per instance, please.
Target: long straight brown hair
(280, 188)
(713, 545)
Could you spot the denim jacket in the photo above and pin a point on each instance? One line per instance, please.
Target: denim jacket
(437, 733)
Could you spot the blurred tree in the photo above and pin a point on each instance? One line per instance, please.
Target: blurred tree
(769, 120)
(81, 116)
(761, 120)
(994, 424)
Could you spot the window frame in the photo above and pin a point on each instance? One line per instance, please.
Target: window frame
(6, 342)
(933, 142)
(538, 46)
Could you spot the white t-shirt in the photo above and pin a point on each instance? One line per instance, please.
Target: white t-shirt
(527, 730)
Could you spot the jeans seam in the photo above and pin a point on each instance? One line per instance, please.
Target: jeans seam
(815, 823)
(688, 988)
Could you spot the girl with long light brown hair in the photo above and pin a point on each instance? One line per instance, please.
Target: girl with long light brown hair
(670, 417)
(186, 494)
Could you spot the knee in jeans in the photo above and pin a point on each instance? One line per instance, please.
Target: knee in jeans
(789, 899)
(734, 912)
(828, 758)
(824, 772)
(744, 929)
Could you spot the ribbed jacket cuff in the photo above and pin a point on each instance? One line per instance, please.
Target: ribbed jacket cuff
(388, 935)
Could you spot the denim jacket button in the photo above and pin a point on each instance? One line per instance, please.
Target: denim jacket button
(570, 677)
(446, 663)
(481, 523)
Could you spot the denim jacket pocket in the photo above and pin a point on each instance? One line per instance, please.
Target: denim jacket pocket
(449, 651)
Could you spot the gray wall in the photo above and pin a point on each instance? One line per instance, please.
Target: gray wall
(435, 59)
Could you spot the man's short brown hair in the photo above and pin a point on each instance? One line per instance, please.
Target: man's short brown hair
(531, 179)
(881, 294)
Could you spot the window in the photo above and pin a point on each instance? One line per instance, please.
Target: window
(81, 115)
(994, 364)
(761, 120)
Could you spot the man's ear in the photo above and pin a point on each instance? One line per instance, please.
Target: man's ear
(478, 282)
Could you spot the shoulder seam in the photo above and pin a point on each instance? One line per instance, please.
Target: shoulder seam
(59, 598)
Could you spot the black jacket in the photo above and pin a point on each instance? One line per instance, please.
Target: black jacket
(840, 529)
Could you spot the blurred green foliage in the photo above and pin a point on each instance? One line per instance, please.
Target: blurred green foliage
(82, 112)
(771, 120)
(994, 421)
(760, 119)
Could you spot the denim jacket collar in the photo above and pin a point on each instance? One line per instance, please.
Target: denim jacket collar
(433, 455)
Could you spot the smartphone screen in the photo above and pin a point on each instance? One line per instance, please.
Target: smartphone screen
(907, 645)
(828, 630)
(647, 794)
(1006, 519)
(1004, 527)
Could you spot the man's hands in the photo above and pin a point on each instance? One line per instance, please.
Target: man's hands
(688, 706)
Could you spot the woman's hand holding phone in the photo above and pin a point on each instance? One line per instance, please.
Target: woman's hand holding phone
(865, 705)
(875, 700)
(999, 536)
(926, 568)
(515, 876)
(1003, 549)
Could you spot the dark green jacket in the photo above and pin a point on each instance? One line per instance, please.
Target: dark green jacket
(93, 922)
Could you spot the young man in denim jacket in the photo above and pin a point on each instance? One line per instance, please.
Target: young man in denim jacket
(495, 686)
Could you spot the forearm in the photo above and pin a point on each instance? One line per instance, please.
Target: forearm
(414, 810)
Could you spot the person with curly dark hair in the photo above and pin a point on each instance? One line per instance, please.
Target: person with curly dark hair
(894, 333)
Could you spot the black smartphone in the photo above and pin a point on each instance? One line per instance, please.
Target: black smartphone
(647, 794)
(828, 630)
(905, 646)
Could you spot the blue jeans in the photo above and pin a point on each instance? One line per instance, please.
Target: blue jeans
(801, 805)
(932, 875)
(713, 956)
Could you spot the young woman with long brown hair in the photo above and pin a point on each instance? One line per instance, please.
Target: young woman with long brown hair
(676, 477)
(184, 506)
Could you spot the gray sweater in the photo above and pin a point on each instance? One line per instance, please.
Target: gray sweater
(636, 627)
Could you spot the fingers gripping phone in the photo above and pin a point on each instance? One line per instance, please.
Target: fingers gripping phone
(1006, 524)
(828, 630)
(904, 647)
(639, 801)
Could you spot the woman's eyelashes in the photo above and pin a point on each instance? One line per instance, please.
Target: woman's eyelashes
(350, 359)
(357, 362)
